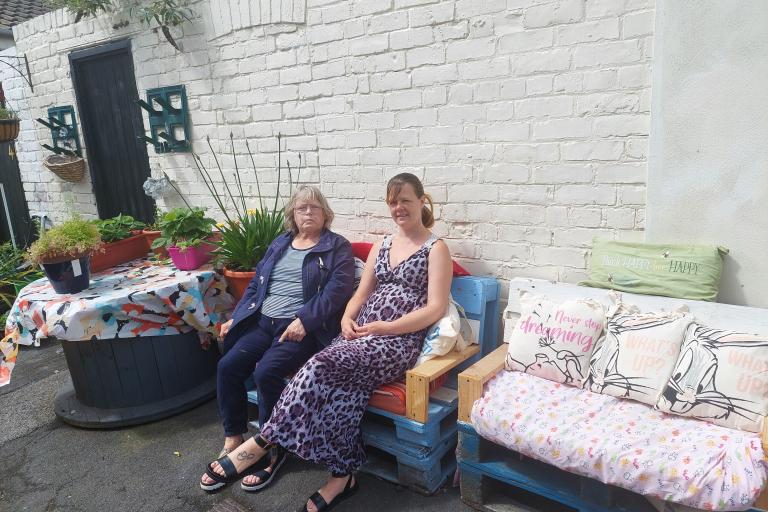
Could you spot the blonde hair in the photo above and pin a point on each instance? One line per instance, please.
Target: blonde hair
(395, 186)
(307, 193)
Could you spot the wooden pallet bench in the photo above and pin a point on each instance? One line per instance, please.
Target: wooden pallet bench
(417, 450)
(496, 478)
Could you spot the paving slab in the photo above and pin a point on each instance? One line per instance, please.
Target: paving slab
(48, 465)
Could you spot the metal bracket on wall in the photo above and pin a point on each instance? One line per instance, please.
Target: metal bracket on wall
(21, 67)
(63, 125)
(166, 109)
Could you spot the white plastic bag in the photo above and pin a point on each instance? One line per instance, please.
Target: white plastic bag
(442, 336)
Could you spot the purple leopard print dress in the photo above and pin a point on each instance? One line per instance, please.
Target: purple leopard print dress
(318, 415)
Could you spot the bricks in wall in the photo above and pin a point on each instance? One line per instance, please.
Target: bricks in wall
(528, 119)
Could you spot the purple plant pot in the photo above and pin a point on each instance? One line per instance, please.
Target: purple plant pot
(191, 258)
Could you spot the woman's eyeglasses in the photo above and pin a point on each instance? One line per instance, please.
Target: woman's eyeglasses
(308, 208)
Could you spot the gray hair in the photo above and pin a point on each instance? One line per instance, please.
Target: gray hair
(307, 193)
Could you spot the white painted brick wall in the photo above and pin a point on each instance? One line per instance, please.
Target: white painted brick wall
(527, 120)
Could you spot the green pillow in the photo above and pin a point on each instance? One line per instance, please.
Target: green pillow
(682, 271)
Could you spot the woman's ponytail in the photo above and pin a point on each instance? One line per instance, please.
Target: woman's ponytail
(428, 213)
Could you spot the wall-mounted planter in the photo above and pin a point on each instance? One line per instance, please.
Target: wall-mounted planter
(9, 129)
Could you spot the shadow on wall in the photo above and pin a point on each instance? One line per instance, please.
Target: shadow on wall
(730, 283)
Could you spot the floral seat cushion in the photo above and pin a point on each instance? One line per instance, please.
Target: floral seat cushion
(623, 443)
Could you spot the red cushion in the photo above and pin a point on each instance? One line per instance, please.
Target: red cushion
(361, 250)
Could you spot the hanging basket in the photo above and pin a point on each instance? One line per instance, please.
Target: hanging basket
(68, 168)
(9, 129)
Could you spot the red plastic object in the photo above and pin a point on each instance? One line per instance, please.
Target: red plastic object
(191, 258)
(121, 251)
(391, 397)
(361, 250)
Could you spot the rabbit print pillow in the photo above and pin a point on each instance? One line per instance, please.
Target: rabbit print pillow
(635, 357)
(554, 341)
(720, 377)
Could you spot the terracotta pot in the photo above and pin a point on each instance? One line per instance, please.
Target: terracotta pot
(150, 237)
(9, 129)
(237, 282)
(121, 251)
(191, 258)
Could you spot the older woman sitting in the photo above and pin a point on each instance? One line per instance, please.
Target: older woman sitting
(291, 309)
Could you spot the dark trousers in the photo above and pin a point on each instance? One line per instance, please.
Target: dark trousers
(276, 360)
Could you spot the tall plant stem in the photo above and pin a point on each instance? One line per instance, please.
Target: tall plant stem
(226, 185)
(255, 174)
(177, 190)
(279, 169)
(209, 184)
(298, 172)
(290, 178)
(237, 174)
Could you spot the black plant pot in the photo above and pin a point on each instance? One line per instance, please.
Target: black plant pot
(69, 276)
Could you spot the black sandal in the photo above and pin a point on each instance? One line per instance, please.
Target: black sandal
(265, 477)
(320, 502)
(230, 473)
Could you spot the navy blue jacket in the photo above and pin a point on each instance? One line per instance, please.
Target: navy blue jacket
(327, 276)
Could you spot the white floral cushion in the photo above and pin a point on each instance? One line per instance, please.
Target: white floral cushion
(635, 357)
(622, 443)
(554, 341)
(721, 377)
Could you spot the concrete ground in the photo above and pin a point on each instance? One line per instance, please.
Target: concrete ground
(48, 465)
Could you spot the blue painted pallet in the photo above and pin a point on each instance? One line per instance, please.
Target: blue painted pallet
(441, 423)
(419, 468)
(484, 463)
(479, 296)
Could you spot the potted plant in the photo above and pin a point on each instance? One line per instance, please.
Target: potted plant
(123, 242)
(185, 233)
(246, 233)
(243, 243)
(64, 252)
(9, 124)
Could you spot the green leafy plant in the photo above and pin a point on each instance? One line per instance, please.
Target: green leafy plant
(244, 242)
(118, 228)
(69, 240)
(7, 114)
(184, 227)
(82, 8)
(15, 273)
(247, 233)
(166, 13)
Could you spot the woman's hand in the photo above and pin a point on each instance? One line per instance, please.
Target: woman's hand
(378, 328)
(224, 329)
(349, 328)
(294, 332)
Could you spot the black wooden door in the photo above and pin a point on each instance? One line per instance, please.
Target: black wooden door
(105, 86)
(14, 215)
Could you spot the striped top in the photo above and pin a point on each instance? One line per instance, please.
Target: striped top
(285, 295)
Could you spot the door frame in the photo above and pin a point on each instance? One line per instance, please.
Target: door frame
(100, 50)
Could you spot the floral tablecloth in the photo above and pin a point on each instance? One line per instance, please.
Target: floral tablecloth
(139, 298)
